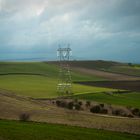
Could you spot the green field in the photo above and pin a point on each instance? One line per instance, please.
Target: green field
(40, 86)
(13, 130)
(129, 70)
(128, 99)
(39, 80)
(40, 68)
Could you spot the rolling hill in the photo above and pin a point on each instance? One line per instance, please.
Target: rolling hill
(30, 87)
(108, 66)
(39, 79)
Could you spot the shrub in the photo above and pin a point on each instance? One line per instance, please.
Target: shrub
(76, 100)
(135, 111)
(70, 105)
(24, 117)
(63, 104)
(58, 103)
(118, 112)
(53, 102)
(104, 111)
(139, 114)
(88, 103)
(80, 103)
(77, 107)
(130, 116)
(102, 105)
(95, 109)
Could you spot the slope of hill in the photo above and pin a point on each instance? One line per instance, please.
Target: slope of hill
(11, 106)
(110, 66)
(23, 84)
(40, 86)
(39, 79)
(106, 74)
(97, 64)
(39, 68)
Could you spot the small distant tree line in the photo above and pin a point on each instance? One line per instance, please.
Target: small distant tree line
(99, 108)
(70, 105)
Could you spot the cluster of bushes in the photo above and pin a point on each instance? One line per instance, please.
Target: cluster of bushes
(88, 104)
(99, 109)
(116, 111)
(77, 105)
(133, 112)
(70, 105)
(120, 112)
(136, 112)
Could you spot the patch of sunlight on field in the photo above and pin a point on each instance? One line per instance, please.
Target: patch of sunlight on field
(81, 89)
(40, 86)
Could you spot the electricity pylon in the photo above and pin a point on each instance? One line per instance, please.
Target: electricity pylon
(64, 86)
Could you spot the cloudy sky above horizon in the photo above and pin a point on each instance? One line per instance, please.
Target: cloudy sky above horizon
(96, 29)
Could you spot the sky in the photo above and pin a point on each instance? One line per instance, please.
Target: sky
(95, 29)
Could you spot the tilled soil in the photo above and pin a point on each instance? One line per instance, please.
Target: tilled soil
(126, 85)
(106, 75)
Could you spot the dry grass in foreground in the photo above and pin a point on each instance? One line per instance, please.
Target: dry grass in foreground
(11, 106)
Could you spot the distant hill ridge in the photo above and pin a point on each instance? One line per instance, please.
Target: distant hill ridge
(93, 63)
(109, 66)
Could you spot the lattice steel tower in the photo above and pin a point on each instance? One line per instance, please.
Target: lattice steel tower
(64, 86)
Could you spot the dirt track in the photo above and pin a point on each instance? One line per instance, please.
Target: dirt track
(106, 75)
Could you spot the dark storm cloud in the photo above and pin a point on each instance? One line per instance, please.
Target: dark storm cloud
(106, 29)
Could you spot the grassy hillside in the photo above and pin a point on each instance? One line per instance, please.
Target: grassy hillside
(28, 67)
(12, 130)
(130, 70)
(128, 99)
(11, 106)
(110, 66)
(40, 86)
(40, 68)
(99, 64)
(39, 79)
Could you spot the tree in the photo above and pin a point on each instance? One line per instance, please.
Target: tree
(88, 103)
(95, 109)
(70, 105)
(24, 117)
